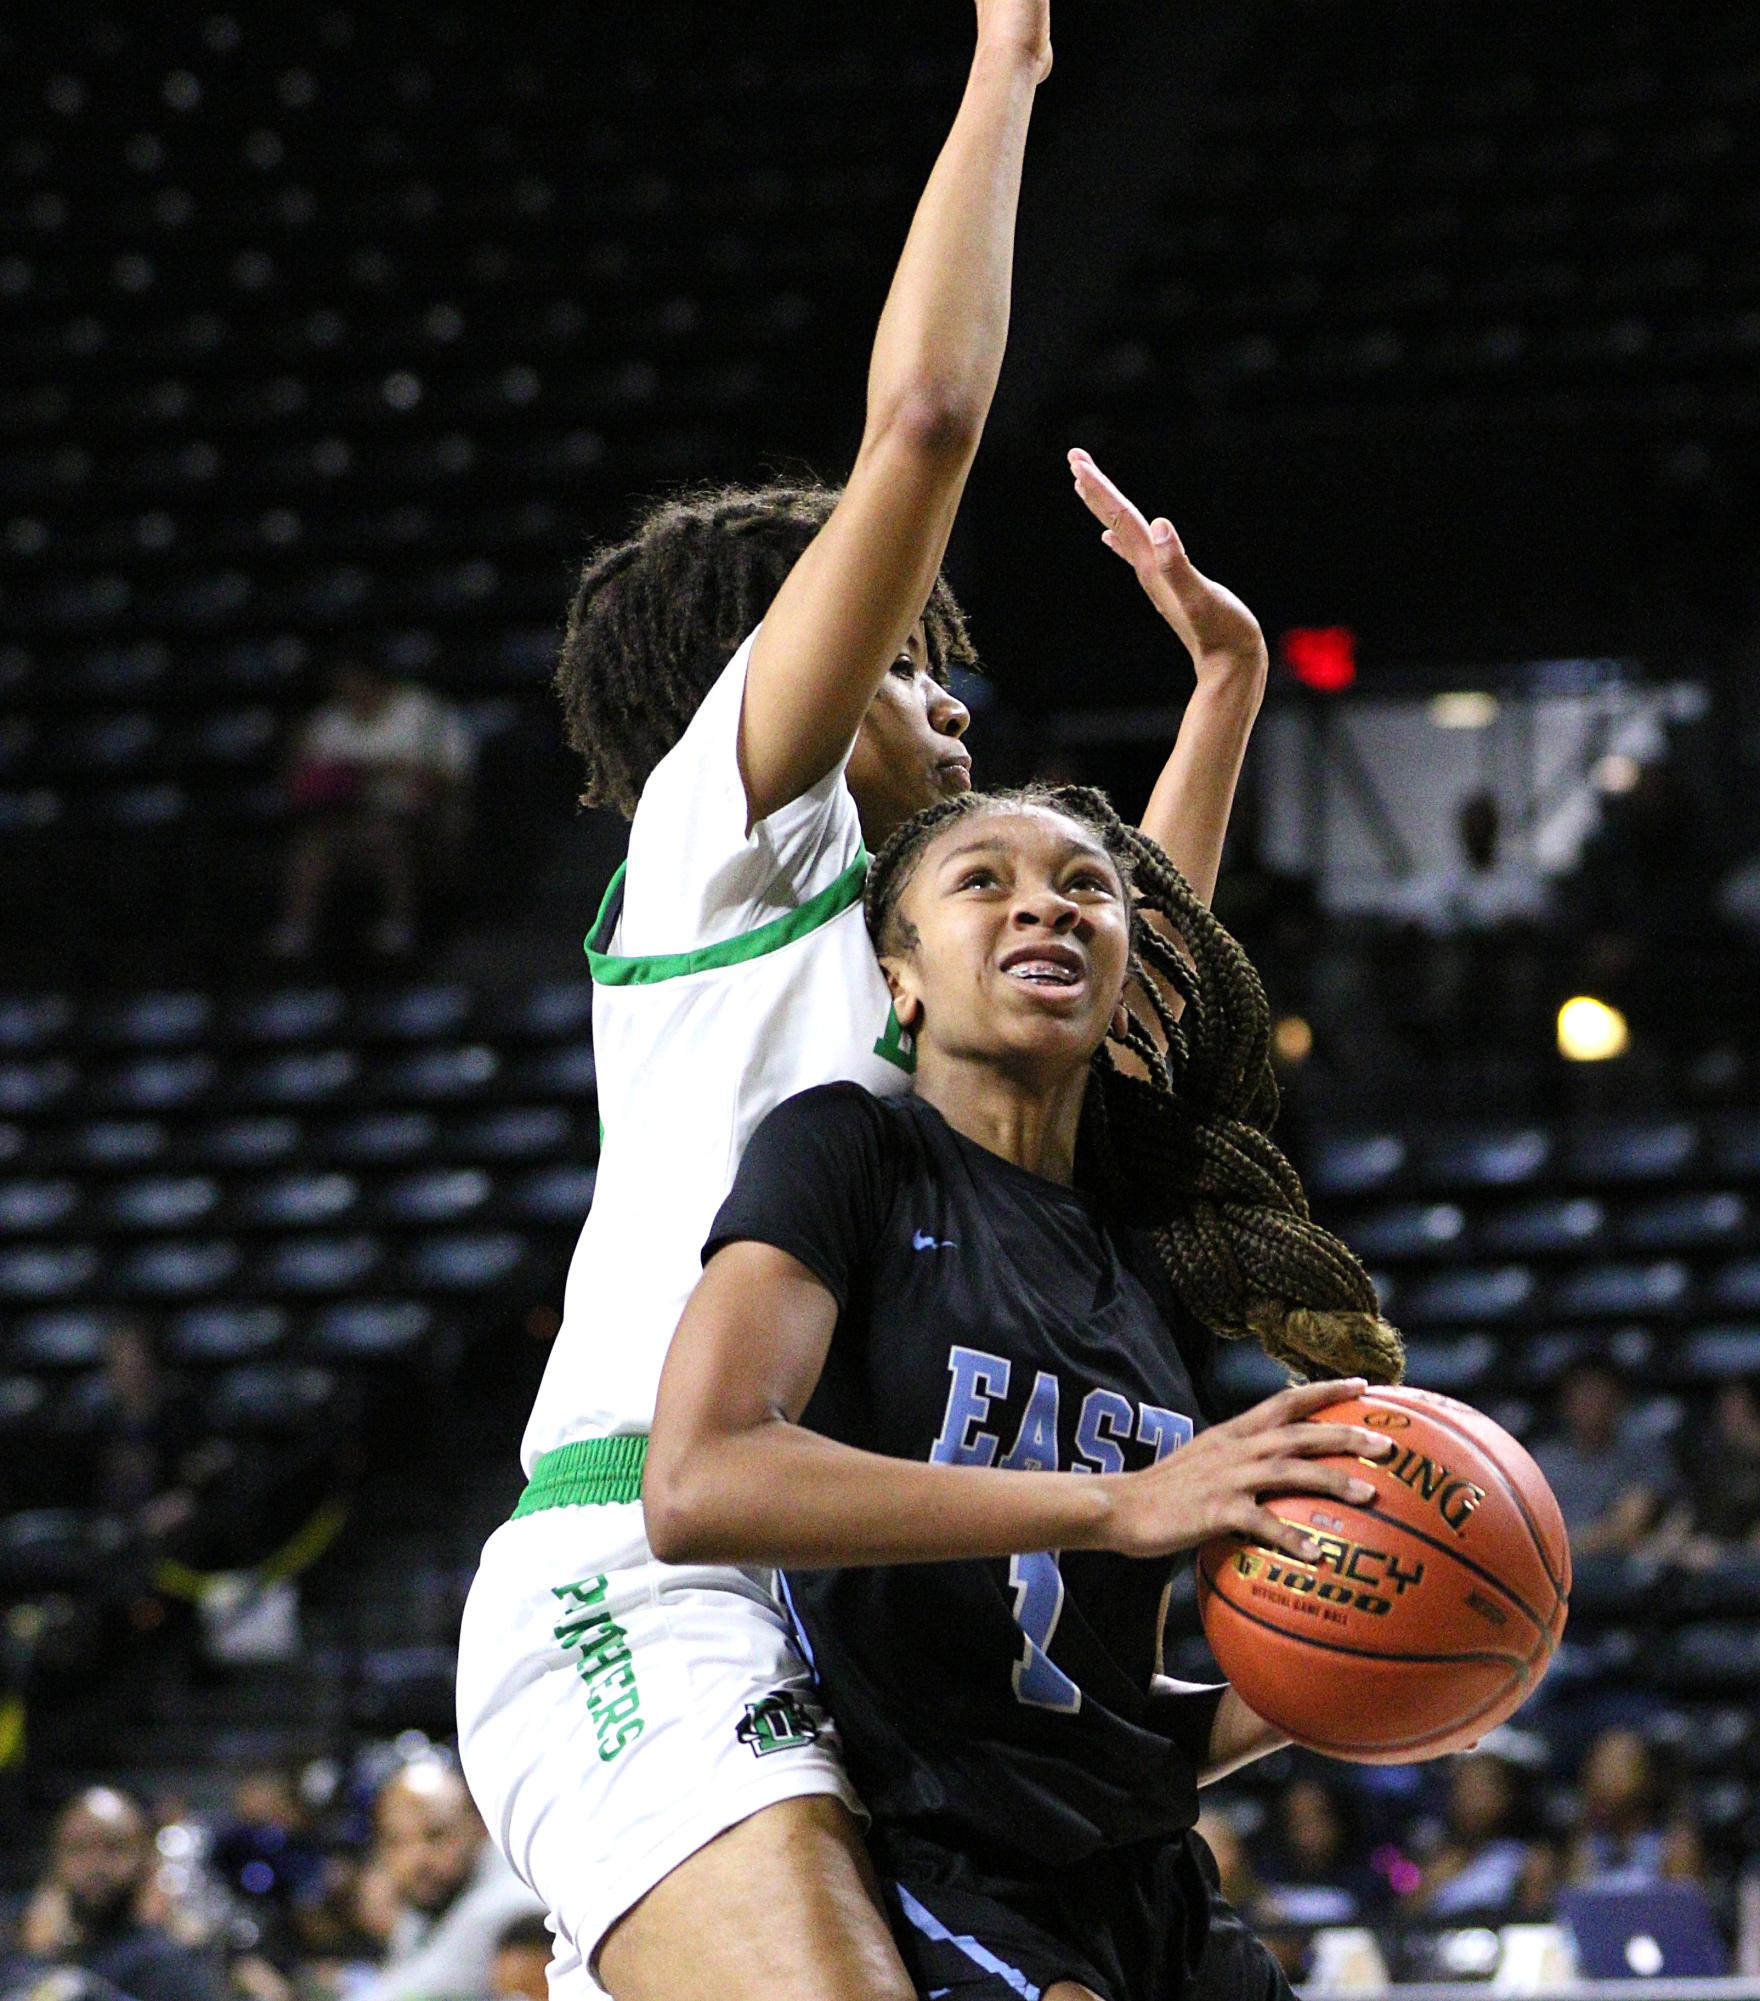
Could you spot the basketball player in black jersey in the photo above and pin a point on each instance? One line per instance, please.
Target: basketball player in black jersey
(940, 1383)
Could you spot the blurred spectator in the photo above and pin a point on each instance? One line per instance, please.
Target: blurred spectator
(152, 1458)
(1605, 1476)
(520, 1970)
(89, 1909)
(1630, 1832)
(266, 1854)
(379, 778)
(1315, 1869)
(1472, 965)
(455, 1896)
(1718, 1508)
(1487, 1865)
(1483, 889)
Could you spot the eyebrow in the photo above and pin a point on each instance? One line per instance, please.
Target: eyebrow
(989, 844)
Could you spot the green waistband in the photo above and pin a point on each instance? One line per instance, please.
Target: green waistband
(588, 1473)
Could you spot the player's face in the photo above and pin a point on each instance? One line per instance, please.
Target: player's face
(1016, 934)
(908, 752)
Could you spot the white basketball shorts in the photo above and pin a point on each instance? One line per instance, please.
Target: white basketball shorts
(616, 1713)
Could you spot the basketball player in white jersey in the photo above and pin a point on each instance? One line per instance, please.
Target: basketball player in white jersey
(644, 1740)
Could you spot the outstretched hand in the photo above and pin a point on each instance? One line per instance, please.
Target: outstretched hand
(1216, 629)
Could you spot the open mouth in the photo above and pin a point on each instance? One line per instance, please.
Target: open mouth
(1045, 964)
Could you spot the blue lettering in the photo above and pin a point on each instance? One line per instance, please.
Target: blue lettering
(1162, 1430)
(1038, 1605)
(978, 1379)
(1104, 1424)
(1035, 1445)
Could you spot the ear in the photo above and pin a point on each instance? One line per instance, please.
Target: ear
(907, 1003)
(1121, 1022)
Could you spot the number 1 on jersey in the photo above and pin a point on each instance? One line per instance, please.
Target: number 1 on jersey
(1038, 1604)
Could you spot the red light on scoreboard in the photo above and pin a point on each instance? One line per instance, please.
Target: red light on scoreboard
(1320, 656)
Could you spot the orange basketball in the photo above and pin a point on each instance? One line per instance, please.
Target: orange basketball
(1431, 1612)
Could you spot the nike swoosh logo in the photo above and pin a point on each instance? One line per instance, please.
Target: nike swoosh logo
(925, 1240)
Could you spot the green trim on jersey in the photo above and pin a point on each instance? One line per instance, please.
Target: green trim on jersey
(588, 1473)
(612, 971)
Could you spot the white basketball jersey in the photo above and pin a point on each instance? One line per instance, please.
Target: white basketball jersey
(731, 970)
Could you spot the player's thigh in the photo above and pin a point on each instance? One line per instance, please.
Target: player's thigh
(783, 1905)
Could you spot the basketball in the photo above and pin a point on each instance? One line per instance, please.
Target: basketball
(1431, 1612)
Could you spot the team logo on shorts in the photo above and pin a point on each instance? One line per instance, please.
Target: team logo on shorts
(777, 1723)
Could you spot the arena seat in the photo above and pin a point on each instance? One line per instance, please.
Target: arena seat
(1684, 1222)
(1549, 1223)
(1356, 1163)
(55, 1549)
(372, 1330)
(1408, 1230)
(68, 1339)
(270, 1398)
(1634, 1150)
(258, 1141)
(1468, 1294)
(212, 1336)
(1721, 1353)
(436, 1195)
(1619, 1291)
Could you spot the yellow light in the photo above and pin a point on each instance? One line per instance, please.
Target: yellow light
(1616, 772)
(1292, 1040)
(1589, 1031)
(1470, 709)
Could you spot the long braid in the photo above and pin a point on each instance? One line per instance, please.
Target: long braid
(1185, 1148)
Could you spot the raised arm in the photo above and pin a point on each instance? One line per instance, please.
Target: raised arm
(732, 1477)
(846, 610)
(1189, 808)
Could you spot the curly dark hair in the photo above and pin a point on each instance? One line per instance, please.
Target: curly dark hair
(657, 616)
(1186, 1149)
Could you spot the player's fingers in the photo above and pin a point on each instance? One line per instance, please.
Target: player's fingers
(1314, 1441)
(1261, 1526)
(1170, 551)
(1104, 498)
(1293, 1404)
(1302, 1476)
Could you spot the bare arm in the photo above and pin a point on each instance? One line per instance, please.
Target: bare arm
(1188, 810)
(1238, 1734)
(843, 615)
(732, 1478)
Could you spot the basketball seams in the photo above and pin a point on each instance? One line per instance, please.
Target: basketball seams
(1441, 1419)
(1385, 1752)
(1377, 1753)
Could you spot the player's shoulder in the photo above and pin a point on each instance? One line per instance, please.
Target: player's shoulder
(843, 1123)
(841, 1107)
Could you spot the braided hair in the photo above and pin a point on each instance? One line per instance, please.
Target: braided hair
(1185, 1148)
(657, 616)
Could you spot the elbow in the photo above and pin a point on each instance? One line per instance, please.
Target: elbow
(933, 422)
(679, 1530)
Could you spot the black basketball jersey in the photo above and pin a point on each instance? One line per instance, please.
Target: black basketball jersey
(990, 1317)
